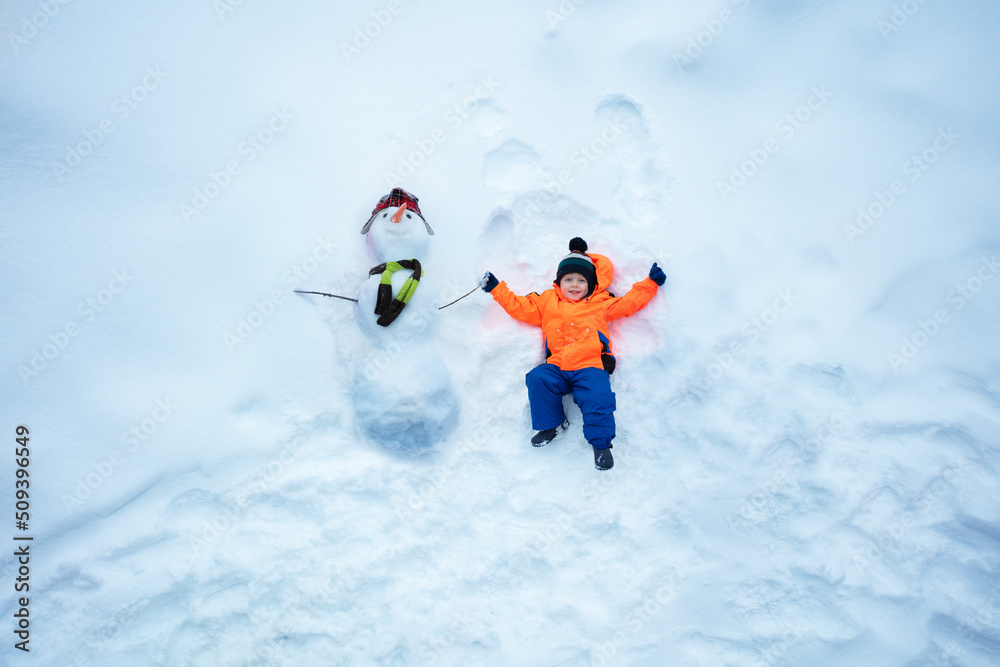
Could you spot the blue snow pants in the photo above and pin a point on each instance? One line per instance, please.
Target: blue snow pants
(591, 389)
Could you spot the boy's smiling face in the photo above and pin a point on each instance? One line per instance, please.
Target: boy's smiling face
(574, 286)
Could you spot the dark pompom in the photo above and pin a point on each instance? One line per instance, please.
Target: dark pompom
(577, 244)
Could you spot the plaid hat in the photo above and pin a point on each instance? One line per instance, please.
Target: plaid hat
(578, 262)
(395, 199)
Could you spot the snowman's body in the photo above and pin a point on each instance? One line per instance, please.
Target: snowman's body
(402, 391)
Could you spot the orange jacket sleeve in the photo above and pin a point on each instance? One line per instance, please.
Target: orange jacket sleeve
(525, 308)
(632, 301)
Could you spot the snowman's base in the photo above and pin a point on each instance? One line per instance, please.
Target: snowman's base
(408, 437)
(407, 405)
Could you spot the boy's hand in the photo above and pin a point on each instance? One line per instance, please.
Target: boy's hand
(657, 275)
(491, 282)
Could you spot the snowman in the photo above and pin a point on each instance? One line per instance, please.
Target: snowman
(402, 391)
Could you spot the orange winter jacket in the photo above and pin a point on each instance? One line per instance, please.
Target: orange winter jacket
(576, 332)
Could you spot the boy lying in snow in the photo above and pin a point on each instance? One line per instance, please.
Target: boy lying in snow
(573, 316)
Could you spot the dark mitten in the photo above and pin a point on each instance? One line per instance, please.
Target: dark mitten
(657, 274)
(491, 282)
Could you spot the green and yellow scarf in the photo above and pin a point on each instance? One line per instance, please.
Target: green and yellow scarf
(388, 307)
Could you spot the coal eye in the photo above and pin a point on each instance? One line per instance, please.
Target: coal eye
(408, 215)
(384, 214)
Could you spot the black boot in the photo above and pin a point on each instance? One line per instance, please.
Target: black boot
(603, 460)
(543, 438)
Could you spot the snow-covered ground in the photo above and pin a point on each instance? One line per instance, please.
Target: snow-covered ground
(809, 411)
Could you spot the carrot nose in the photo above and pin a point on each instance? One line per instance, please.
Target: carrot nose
(398, 215)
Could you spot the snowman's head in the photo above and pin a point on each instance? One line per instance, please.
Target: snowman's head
(397, 230)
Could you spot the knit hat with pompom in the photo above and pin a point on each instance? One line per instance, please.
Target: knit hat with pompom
(578, 262)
